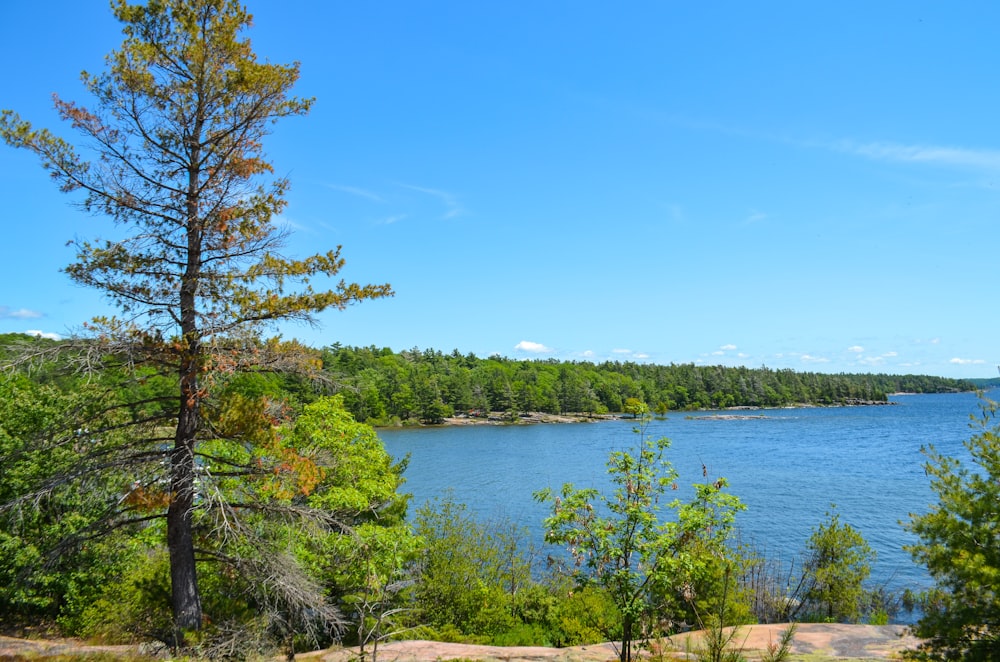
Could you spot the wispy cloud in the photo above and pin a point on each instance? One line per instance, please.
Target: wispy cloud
(453, 208)
(808, 358)
(754, 217)
(19, 314)
(960, 157)
(957, 361)
(391, 219)
(728, 348)
(532, 347)
(857, 349)
(621, 351)
(359, 192)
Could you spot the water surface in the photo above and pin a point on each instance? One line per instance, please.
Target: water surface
(788, 467)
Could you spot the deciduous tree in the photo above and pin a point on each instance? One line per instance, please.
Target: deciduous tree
(195, 267)
(621, 540)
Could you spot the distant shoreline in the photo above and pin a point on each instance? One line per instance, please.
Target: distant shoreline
(537, 417)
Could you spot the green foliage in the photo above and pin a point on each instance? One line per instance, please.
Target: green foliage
(586, 615)
(133, 606)
(635, 407)
(334, 530)
(456, 565)
(381, 386)
(960, 545)
(474, 583)
(621, 542)
(361, 568)
(50, 562)
(838, 561)
(781, 650)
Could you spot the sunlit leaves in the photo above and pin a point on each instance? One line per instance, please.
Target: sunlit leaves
(622, 540)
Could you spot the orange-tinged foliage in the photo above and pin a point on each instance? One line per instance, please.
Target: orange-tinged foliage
(147, 499)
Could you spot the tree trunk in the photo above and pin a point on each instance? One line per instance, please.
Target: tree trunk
(180, 514)
(626, 652)
(185, 598)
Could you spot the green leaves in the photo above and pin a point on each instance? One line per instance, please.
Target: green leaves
(621, 542)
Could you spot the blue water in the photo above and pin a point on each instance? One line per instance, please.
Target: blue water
(788, 468)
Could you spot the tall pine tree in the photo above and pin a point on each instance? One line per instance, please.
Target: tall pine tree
(175, 140)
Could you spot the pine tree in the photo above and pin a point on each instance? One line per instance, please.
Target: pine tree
(960, 545)
(176, 136)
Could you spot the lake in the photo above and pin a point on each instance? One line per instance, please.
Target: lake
(788, 467)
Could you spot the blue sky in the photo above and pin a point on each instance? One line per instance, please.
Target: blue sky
(792, 184)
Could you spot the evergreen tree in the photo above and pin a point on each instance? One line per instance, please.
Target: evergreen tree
(176, 134)
(960, 545)
(838, 561)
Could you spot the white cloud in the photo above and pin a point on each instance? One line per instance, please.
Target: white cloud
(718, 352)
(43, 334)
(728, 348)
(754, 217)
(19, 314)
(958, 361)
(642, 355)
(890, 354)
(857, 349)
(621, 351)
(742, 355)
(813, 359)
(588, 354)
(353, 190)
(392, 219)
(532, 347)
(979, 159)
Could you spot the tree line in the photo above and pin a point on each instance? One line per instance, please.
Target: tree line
(384, 387)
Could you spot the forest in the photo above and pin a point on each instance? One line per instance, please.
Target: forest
(384, 387)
